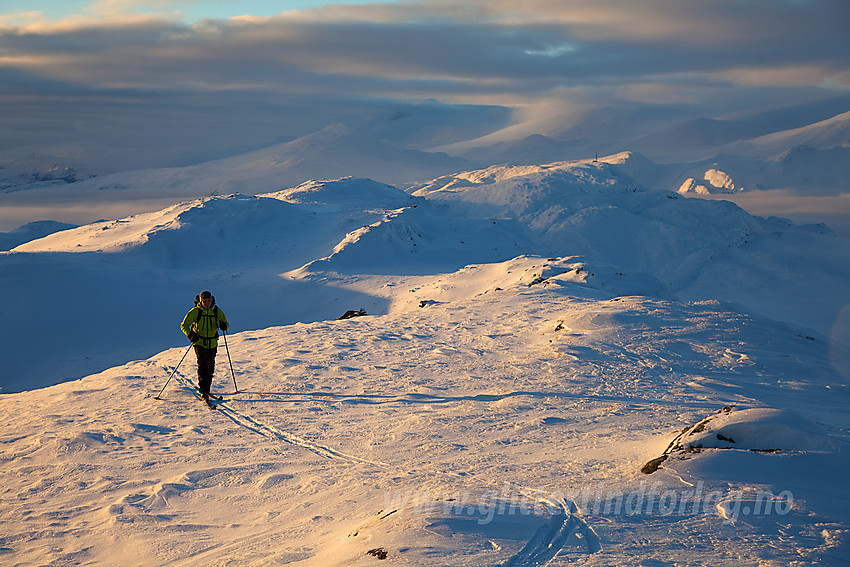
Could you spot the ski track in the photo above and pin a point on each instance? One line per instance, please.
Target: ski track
(549, 539)
(275, 433)
(271, 432)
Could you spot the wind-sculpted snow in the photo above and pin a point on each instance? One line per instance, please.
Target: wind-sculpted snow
(698, 249)
(598, 205)
(196, 229)
(317, 250)
(225, 228)
(501, 425)
(423, 240)
(552, 363)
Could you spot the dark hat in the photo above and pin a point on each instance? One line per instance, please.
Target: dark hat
(205, 294)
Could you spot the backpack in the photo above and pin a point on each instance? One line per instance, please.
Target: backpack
(215, 314)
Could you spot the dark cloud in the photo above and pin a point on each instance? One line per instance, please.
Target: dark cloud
(274, 78)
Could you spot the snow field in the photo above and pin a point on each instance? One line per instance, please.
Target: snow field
(468, 431)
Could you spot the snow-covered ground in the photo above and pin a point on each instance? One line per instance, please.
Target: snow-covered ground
(502, 423)
(535, 338)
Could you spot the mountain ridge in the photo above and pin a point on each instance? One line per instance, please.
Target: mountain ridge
(331, 237)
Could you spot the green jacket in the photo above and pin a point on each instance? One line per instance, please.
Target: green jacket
(205, 323)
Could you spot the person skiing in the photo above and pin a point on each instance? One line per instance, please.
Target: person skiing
(201, 325)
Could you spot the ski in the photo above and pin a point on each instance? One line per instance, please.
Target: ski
(212, 396)
(206, 401)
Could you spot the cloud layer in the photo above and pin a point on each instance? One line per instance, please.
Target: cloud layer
(115, 73)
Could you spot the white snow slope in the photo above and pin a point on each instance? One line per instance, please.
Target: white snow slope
(534, 337)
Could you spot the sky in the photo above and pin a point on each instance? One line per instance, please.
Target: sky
(186, 11)
(160, 82)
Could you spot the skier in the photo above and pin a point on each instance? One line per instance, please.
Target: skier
(201, 325)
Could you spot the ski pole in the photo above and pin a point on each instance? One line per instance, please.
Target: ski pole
(157, 397)
(235, 387)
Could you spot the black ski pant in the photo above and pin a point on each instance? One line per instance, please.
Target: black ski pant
(206, 367)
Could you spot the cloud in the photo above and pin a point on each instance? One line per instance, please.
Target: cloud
(547, 41)
(483, 51)
(95, 12)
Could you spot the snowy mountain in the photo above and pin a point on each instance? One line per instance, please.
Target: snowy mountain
(30, 231)
(333, 152)
(801, 150)
(812, 159)
(710, 250)
(802, 147)
(296, 248)
(558, 363)
(145, 266)
(38, 169)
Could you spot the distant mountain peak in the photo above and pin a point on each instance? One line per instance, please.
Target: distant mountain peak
(40, 167)
(360, 192)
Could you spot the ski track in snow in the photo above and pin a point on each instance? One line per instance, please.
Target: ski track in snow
(272, 432)
(551, 537)
(539, 551)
